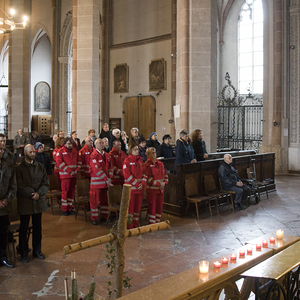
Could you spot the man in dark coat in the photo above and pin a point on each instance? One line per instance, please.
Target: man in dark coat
(231, 181)
(165, 150)
(184, 150)
(8, 189)
(33, 185)
(43, 158)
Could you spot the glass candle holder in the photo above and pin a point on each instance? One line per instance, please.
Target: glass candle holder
(225, 260)
(203, 266)
(217, 264)
(279, 234)
(272, 239)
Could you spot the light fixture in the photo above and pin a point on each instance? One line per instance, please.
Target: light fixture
(7, 24)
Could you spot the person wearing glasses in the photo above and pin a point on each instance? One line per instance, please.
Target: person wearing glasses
(157, 178)
(133, 171)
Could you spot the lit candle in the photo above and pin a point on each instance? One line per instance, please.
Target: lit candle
(258, 246)
(66, 288)
(272, 239)
(217, 264)
(249, 250)
(265, 243)
(279, 234)
(233, 256)
(203, 266)
(224, 260)
(242, 252)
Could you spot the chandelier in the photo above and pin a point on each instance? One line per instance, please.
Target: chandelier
(8, 25)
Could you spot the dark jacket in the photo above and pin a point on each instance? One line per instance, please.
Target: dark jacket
(199, 149)
(33, 140)
(142, 153)
(8, 183)
(153, 143)
(104, 134)
(184, 152)
(113, 138)
(228, 175)
(31, 178)
(165, 151)
(76, 144)
(44, 159)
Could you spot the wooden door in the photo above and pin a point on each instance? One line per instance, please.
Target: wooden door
(140, 112)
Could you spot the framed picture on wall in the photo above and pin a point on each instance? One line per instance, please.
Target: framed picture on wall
(121, 79)
(157, 75)
(42, 96)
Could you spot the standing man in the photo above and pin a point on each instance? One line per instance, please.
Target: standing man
(100, 181)
(84, 158)
(184, 150)
(231, 181)
(66, 160)
(33, 185)
(117, 157)
(19, 139)
(8, 189)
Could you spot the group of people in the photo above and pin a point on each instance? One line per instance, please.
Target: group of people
(107, 169)
(28, 181)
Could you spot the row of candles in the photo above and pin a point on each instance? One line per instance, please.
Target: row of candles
(204, 265)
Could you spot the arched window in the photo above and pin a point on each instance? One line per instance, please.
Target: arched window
(250, 41)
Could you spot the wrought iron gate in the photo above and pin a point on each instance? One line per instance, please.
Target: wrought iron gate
(240, 119)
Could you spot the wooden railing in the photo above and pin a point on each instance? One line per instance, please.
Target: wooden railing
(190, 285)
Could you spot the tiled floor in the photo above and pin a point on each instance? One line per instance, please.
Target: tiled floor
(151, 257)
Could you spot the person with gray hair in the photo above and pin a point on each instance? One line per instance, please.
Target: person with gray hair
(116, 136)
(134, 139)
(184, 150)
(231, 181)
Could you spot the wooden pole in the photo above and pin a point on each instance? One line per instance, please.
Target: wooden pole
(109, 237)
(120, 241)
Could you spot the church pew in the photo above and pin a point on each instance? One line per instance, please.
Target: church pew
(174, 198)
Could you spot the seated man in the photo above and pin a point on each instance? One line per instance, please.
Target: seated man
(231, 181)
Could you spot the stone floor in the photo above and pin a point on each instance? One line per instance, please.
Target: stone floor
(151, 257)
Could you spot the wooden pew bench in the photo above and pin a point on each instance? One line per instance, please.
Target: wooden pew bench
(192, 285)
(278, 276)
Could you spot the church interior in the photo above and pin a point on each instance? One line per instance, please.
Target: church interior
(228, 67)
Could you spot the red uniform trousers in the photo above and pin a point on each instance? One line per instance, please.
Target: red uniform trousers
(67, 193)
(99, 196)
(155, 203)
(59, 184)
(134, 210)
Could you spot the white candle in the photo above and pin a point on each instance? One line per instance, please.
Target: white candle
(279, 234)
(203, 266)
(66, 289)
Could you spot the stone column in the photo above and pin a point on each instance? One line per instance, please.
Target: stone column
(104, 103)
(294, 147)
(196, 88)
(19, 72)
(86, 31)
(56, 6)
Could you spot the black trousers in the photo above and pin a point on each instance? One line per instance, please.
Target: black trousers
(3, 236)
(36, 233)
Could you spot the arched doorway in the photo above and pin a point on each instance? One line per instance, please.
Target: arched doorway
(140, 112)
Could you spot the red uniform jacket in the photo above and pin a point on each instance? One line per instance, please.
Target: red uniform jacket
(99, 167)
(155, 173)
(66, 161)
(133, 171)
(117, 159)
(84, 155)
(54, 152)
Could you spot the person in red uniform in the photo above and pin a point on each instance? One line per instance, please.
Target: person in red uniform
(100, 181)
(84, 158)
(133, 175)
(67, 162)
(59, 143)
(117, 157)
(157, 178)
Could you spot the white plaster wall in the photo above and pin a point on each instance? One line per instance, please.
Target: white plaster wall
(140, 19)
(138, 59)
(40, 70)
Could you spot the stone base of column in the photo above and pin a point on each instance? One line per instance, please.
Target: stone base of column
(281, 158)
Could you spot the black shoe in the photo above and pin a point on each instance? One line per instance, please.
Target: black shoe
(237, 207)
(95, 222)
(72, 212)
(242, 206)
(24, 259)
(39, 255)
(65, 213)
(5, 262)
